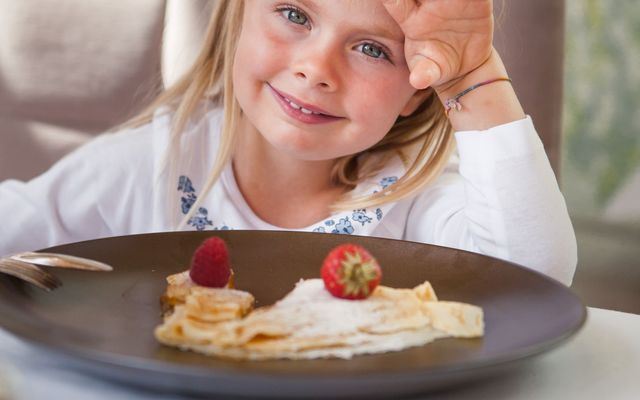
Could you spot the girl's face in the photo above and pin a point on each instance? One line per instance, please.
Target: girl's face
(321, 79)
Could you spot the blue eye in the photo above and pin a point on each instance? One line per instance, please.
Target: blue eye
(294, 15)
(373, 51)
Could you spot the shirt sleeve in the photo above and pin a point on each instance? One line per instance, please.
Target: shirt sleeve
(93, 192)
(502, 200)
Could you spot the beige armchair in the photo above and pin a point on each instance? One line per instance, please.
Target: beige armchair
(70, 69)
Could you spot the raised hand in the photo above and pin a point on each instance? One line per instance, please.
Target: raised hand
(444, 39)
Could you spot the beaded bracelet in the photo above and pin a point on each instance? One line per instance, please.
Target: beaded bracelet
(454, 104)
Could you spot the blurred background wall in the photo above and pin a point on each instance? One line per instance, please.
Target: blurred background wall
(600, 158)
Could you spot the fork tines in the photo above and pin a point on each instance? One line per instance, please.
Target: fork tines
(30, 273)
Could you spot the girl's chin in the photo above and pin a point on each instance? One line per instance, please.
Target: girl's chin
(295, 142)
(303, 153)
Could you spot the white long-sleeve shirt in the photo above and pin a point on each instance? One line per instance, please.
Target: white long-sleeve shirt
(497, 197)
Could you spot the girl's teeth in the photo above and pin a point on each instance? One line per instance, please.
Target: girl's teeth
(297, 107)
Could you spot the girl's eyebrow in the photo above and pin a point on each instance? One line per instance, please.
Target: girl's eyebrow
(382, 30)
(308, 4)
(374, 29)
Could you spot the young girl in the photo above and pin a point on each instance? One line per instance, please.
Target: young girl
(321, 116)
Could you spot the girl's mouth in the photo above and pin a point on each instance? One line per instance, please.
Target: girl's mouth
(301, 111)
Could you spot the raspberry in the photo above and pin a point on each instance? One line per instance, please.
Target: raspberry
(210, 263)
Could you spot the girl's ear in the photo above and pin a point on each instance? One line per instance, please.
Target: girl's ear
(414, 102)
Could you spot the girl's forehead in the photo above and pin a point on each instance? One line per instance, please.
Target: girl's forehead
(370, 13)
(366, 15)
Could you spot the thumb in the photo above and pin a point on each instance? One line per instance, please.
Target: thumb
(424, 72)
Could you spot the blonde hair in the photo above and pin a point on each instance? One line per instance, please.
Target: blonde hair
(423, 140)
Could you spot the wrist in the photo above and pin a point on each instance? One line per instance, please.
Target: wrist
(491, 68)
(481, 99)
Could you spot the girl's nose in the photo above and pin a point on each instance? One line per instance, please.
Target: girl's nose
(317, 67)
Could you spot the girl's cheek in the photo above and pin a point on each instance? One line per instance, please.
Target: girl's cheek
(379, 76)
(386, 93)
(268, 47)
(276, 30)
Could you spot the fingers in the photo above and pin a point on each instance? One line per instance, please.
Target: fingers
(400, 10)
(424, 72)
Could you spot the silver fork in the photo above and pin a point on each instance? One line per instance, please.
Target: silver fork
(25, 266)
(61, 261)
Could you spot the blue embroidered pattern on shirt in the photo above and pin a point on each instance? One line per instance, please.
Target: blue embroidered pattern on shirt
(185, 185)
(200, 219)
(343, 227)
(322, 229)
(189, 196)
(361, 216)
(388, 181)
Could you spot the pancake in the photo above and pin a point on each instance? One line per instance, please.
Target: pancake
(203, 303)
(310, 323)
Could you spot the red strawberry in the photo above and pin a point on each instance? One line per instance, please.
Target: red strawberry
(350, 272)
(210, 264)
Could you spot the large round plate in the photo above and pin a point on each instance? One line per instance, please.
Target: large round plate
(103, 322)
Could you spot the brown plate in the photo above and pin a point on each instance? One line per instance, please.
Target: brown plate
(103, 322)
